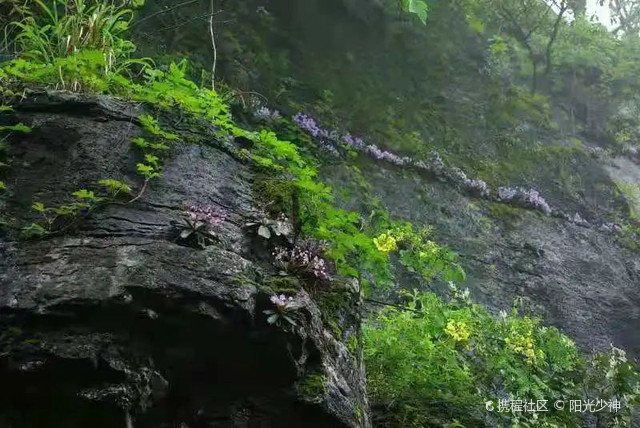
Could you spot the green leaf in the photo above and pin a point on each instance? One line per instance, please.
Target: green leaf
(39, 207)
(115, 186)
(417, 7)
(86, 194)
(20, 127)
(264, 232)
(34, 230)
(140, 142)
(2, 185)
(151, 160)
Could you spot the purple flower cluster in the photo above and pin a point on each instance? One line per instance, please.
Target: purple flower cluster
(306, 257)
(310, 125)
(434, 164)
(265, 114)
(384, 155)
(478, 186)
(529, 198)
(205, 214)
(281, 301)
(355, 142)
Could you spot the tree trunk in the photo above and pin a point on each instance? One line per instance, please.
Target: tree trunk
(556, 26)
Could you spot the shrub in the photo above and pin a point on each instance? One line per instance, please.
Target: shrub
(444, 359)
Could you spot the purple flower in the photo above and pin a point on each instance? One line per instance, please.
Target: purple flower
(281, 301)
(264, 114)
(355, 142)
(306, 257)
(309, 124)
(206, 214)
(529, 198)
(478, 186)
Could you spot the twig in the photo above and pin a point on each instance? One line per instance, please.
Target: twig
(186, 3)
(144, 186)
(404, 308)
(173, 27)
(213, 44)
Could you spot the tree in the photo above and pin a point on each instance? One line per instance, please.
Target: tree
(562, 6)
(522, 20)
(625, 14)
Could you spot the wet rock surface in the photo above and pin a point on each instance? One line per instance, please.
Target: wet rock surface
(578, 278)
(113, 324)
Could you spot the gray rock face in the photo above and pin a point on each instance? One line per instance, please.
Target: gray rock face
(578, 278)
(114, 324)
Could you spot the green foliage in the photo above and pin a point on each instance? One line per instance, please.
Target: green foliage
(419, 8)
(630, 192)
(630, 237)
(268, 228)
(20, 127)
(351, 238)
(151, 167)
(152, 126)
(115, 187)
(419, 254)
(198, 231)
(444, 359)
(54, 219)
(313, 385)
(61, 28)
(57, 217)
(170, 89)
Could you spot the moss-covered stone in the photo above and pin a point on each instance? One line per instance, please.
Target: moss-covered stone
(313, 385)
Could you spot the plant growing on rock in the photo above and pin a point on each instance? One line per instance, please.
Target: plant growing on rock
(284, 313)
(52, 31)
(528, 198)
(115, 187)
(418, 253)
(200, 226)
(306, 259)
(267, 228)
(62, 216)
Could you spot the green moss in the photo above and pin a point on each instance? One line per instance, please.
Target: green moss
(630, 238)
(359, 412)
(275, 191)
(313, 385)
(333, 306)
(631, 194)
(13, 331)
(277, 284)
(524, 164)
(505, 212)
(242, 280)
(353, 345)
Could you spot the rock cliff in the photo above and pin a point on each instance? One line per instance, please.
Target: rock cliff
(112, 323)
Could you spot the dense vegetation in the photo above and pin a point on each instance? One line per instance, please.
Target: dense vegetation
(431, 361)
